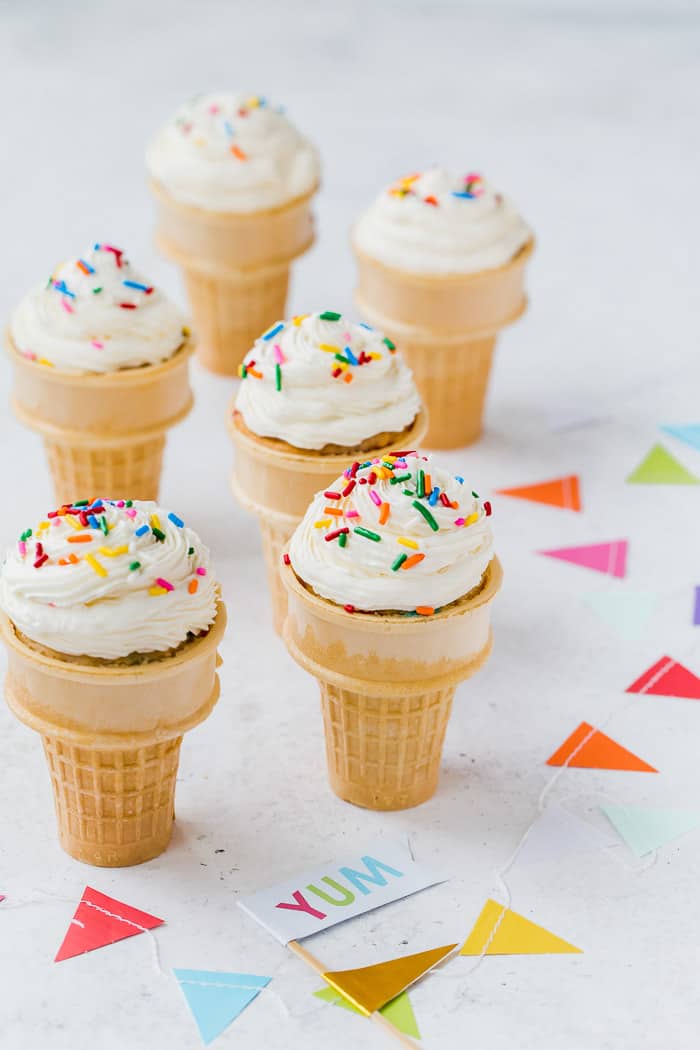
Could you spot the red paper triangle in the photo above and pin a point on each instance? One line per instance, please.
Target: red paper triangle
(598, 752)
(667, 678)
(610, 558)
(100, 920)
(561, 492)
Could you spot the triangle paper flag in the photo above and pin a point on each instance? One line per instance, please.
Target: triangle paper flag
(500, 931)
(696, 608)
(588, 748)
(610, 558)
(659, 467)
(645, 830)
(557, 833)
(398, 1012)
(628, 613)
(100, 920)
(369, 988)
(667, 678)
(689, 432)
(216, 998)
(562, 492)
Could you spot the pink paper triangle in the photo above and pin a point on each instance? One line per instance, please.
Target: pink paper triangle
(609, 558)
(667, 678)
(100, 920)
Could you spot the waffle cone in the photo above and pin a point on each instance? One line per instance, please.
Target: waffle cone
(384, 734)
(276, 482)
(112, 737)
(236, 269)
(103, 434)
(446, 328)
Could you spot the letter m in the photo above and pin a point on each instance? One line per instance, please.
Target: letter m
(373, 874)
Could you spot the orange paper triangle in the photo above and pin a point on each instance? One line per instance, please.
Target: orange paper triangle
(588, 748)
(561, 492)
(369, 988)
(500, 931)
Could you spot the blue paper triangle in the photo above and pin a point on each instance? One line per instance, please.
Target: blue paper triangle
(216, 998)
(688, 432)
(645, 829)
(628, 613)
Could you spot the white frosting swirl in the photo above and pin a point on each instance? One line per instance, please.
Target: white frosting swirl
(413, 560)
(142, 587)
(232, 152)
(97, 314)
(437, 223)
(296, 388)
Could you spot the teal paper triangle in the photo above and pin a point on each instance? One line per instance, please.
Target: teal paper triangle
(688, 432)
(645, 830)
(399, 1011)
(216, 998)
(659, 467)
(628, 613)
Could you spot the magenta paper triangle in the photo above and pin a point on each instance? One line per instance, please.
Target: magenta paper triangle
(609, 558)
(667, 678)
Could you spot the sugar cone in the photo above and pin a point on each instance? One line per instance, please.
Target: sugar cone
(446, 328)
(387, 683)
(236, 269)
(103, 434)
(112, 736)
(276, 482)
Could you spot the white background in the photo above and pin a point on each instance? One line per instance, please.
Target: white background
(587, 116)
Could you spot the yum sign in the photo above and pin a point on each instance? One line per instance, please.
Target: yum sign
(338, 891)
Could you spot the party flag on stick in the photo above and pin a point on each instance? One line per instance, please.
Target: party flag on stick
(659, 467)
(561, 492)
(667, 678)
(500, 931)
(217, 998)
(369, 988)
(100, 920)
(588, 748)
(609, 558)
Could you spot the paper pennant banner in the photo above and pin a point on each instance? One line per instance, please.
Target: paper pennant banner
(645, 829)
(561, 492)
(216, 999)
(337, 891)
(371, 987)
(100, 920)
(2, 897)
(689, 432)
(667, 678)
(628, 613)
(609, 558)
(558, 833)
(588, 748)
(696, 608)
(659, 467)
(500, 931)
(398, 1012)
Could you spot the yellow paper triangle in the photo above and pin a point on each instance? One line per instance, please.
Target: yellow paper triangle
(512, 935)
(371, 987)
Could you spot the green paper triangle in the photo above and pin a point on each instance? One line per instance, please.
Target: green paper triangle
(399, 1011)
(645, 829)
(628, 613)
(659, 467)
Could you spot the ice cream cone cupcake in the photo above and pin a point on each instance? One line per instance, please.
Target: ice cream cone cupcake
(232, 180)
(111, 618)
(389, 608)
(318, 393)
(101, 371)
(441, 265)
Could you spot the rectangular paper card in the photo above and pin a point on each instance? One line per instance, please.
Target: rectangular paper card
(340, 890)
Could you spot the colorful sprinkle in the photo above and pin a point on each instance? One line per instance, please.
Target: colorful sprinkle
(396, 565)
(271, 333)
(413, 560)
(330, 315)
(94, 564)
(374, 536)
(427, 515)
(175, 520)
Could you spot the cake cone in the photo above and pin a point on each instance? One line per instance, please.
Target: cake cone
(387, 683)
(112, 737)
(276, 482)
(103, 434)
(236, 269)
(446, 328)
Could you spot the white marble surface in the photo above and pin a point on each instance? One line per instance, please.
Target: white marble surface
(587, 115)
